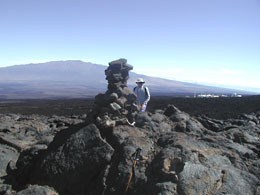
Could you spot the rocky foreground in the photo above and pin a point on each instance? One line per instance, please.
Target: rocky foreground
(179, 155)
(166, 152)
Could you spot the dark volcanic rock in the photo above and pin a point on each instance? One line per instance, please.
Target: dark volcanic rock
(23, 132)
(39, 190)
(165, 152)
(79, 160)
(198, 161)
(7, 154)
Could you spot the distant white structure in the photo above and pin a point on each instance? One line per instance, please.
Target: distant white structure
(236, 95)
(217, 96)
(207, 96)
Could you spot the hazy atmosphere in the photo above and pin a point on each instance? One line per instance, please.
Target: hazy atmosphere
(213, 42)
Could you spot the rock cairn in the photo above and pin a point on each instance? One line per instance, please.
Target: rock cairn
(116, 106)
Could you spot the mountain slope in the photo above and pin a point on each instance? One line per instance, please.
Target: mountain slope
(77, 79)
(73, 70)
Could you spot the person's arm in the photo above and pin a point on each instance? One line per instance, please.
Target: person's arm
(148, 95)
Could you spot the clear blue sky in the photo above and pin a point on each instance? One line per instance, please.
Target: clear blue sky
(213, 42)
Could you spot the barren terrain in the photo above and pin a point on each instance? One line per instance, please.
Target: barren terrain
(219, 108)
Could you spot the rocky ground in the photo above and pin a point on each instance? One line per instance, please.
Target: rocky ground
(19, 133)
(182, 154)
(169, 150)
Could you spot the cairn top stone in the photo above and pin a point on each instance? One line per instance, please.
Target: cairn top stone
(120, 64)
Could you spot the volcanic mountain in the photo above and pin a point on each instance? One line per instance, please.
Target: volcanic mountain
(78, 79)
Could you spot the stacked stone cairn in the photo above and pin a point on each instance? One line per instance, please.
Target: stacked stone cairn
(116, 106)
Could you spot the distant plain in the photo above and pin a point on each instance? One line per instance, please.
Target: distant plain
(218, 108)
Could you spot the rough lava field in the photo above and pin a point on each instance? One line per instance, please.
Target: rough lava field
(188, 146)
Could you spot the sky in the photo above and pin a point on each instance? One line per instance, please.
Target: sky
(213, 42)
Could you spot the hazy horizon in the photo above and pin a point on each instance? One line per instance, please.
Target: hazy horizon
(213, 43)
(253, 90)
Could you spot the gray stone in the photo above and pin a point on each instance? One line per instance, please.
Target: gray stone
(197, 179)
(39, 190)
(7, 154)
(167, 188)
(115, 106)
(75, 161)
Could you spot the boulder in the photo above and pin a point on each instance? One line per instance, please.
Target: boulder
(7, 154)
(71, 162)
(39, 190)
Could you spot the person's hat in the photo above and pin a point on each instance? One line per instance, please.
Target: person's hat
(140, 80)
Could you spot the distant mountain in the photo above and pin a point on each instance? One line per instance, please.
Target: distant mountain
(78, 79)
